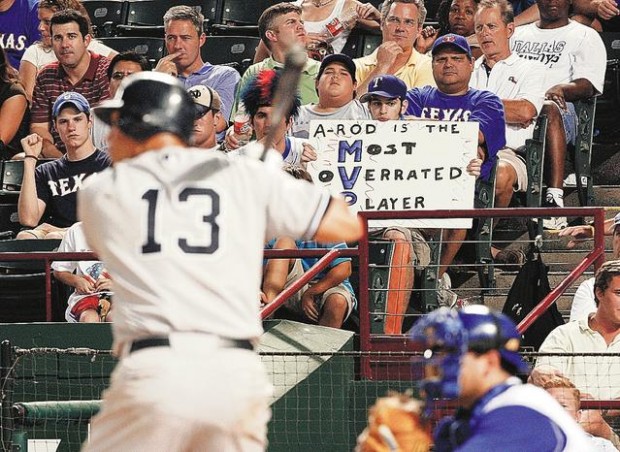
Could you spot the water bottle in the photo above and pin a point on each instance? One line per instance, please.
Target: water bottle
(242, 129)
(346, 21)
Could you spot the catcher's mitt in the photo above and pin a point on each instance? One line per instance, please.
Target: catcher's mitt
(104, 307)
(395, 425)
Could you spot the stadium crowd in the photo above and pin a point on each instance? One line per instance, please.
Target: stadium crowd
(500, 63)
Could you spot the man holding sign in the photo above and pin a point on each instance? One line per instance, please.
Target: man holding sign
(454, 100)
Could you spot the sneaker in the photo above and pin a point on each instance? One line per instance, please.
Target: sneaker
(571, 180)
(510, 259)
(554, 223)
(445, 296)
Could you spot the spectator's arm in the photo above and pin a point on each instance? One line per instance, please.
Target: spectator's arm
(532, 14)
(29, 207)
(368, 17)
(82, 284)
(49, 148)
(519, 111)
(386, 56)
(332, 278)
(578, 89)
(338, 224)
(11, 114)
(262, 52)
(605, 9)
(28, 77)
(541, 374)
(583, 301)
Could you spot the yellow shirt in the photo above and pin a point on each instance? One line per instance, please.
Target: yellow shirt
(417, 72)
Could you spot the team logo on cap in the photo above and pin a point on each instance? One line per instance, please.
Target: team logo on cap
(195, 93)
(67, 96)
(378, 81)
(449, 39)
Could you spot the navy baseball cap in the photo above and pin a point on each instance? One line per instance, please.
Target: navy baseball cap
(388, 86)
(73, 98)
(457, 41)
(341, 58)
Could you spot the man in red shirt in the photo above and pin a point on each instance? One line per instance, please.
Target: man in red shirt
(77, 69)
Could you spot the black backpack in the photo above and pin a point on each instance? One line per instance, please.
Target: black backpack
(529, 287)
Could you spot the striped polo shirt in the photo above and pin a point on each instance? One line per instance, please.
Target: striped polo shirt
(53, 81)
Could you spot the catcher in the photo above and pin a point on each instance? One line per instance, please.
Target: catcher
(90, 302)
(472, 355)
(395, 424)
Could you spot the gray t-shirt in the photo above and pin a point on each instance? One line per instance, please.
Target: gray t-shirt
(353, 110)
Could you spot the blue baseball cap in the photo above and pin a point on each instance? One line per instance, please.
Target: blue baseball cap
(451, 39)
(388, 86)
(73, 98)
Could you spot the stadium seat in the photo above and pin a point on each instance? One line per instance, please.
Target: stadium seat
(240, 12)
(11, 177)
(151, 48)
(105, 15)
(22, 284)
(146, 17)
(237, 51)
(25, 246)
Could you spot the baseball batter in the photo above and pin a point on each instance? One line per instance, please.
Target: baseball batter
(181, 233)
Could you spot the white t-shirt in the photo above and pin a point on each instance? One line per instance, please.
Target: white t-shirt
(292, 156)
(74, 242)
(594, 375)
(572, 52)
(353, 110)
(40, 56)
(516, 79)
(583, 301)
(320, 27)
(182, 233)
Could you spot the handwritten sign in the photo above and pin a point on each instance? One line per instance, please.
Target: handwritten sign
(397, 165)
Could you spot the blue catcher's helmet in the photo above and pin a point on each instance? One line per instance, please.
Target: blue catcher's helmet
(447, 335)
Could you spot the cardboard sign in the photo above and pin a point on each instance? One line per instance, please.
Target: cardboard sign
(397, 165)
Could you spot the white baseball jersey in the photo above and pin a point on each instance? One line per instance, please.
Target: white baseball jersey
(572, 52)
(513, 78)
(193, 224)
(74, 241)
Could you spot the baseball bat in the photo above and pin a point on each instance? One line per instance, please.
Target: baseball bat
(294, 62)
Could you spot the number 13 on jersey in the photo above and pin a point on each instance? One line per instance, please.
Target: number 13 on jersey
(151, 197)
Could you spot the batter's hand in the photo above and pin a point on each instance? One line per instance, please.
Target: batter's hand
(167, 66)
(309, 307)
(32, 145)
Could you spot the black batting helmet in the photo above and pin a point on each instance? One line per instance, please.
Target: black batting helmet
(150, 103)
